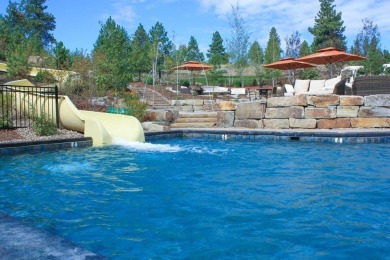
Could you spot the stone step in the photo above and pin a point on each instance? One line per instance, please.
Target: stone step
(193, 125)
(197, 114)
(196, 120)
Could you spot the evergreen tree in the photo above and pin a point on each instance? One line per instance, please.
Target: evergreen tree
(140, 50)
(82, 64)
(18, 65)
(31, 22)
(328, 29)
(293, 45)
(193, 52)
(111, 57)
(273, 50)
(62, 56)
(238, 44)
(305, 49)
(216, 54)
(308, 73)
(272, 53)
(256, 58)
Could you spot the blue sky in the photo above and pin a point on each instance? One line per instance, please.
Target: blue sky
(77, 21)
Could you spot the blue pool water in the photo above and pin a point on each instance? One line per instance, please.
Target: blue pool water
(202, 199)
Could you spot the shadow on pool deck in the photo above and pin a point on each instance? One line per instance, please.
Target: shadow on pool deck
(22, 241)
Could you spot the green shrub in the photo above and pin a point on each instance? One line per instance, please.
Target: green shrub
(237, 83)
(5, 122)
(185, 82)
(6, 111)
(43, 125)
(134, 107)
(149, 81)
(45, 76)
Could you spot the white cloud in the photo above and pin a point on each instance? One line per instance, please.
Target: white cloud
(124, 13)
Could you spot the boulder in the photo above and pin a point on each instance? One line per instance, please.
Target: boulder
(302, 123)
(276, 123)
(312, 112)
(347, 111)
(160, 115)
(333, 123)
(226, 106)
(299, 100)
(248, 123)
(285, 112)
(370, 122)
(351, 101)
(323, 101)
(377, 100)
(225, 119)
(250, 110)
(374, 112)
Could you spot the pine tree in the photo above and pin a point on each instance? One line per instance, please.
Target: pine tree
(31, 22)
(328, 28)
(216, 54)
(111, 57)
(256, 58)
(18, 65)
(309, 73)
(305, 49)
(139, 53)
(193, 52)
(273, 50)
(62, 57)
(272, 53)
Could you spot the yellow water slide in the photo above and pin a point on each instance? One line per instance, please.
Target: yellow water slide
(104, 128)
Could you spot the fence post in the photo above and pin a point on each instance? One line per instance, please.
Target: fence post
(56, 104)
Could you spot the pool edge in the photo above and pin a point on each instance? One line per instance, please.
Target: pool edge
(44, 145)
(308, 135)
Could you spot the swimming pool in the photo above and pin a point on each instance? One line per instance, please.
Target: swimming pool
(196, 198)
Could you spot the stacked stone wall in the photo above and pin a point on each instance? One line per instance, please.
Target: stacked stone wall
(298, 112)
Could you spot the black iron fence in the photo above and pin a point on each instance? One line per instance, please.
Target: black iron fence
(20, 105)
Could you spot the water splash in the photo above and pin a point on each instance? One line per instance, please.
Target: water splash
(166, 148)
(148, 147)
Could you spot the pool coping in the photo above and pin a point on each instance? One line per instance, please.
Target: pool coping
(44, 145)
(368, 135)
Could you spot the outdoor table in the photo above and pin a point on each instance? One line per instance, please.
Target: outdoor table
(265, 91)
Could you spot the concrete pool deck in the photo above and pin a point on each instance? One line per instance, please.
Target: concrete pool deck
(19, 240)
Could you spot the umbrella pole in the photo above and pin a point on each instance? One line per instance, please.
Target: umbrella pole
(331, 70)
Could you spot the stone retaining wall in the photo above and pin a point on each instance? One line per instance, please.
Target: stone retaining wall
(302, 111)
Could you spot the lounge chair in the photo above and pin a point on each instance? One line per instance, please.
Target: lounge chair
(215, 89)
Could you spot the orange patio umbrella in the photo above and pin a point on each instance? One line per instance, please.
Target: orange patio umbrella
(288, 64)
(193, 66)
(330, 55)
